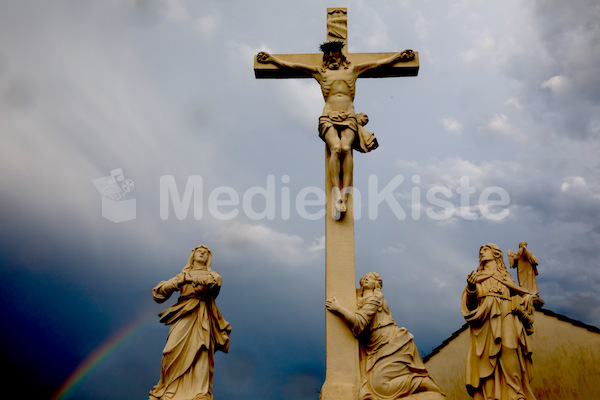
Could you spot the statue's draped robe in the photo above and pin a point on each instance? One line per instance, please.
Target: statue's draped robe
(391, 365)
(499, 363)
(197, 331)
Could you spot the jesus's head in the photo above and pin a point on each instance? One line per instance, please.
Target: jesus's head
(333, 57)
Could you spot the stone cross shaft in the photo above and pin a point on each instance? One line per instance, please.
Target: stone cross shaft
(342, 373)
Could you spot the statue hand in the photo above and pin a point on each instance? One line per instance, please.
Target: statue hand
(210, 281)
(406, 55)
(471, 281)
(362, 119)
(202, 280)
(264, 57)
(332, 305)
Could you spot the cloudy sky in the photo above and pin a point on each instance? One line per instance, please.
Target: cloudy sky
(497, 140)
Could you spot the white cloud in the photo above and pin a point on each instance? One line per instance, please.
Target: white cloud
(207, 25)
(449, 172)
(558, 84)
(500, 124)
(438, 282)
(301, 98)
(177, 12)
(243, 53)
(573, 183)
(451, 125)
(513, 101)
(318, 245)
(422, 26)
(373, 33)
(474, 17)
(304, 100)
(397, 249)
(483, 47)
(281, 247)
(462, 4)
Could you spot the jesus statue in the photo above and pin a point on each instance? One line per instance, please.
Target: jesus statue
(339, 125)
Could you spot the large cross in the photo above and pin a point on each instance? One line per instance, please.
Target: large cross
(342, 373)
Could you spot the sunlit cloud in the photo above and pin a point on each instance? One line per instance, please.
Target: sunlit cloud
(451, 125)
(501, 125)
(558, 84)
(286, 249)
(514, 102)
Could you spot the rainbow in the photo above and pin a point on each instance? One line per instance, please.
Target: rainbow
(96, 357)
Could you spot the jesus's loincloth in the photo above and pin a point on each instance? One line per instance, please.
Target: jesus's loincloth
(364, 141)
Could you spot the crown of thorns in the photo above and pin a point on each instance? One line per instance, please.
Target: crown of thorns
(332, 46)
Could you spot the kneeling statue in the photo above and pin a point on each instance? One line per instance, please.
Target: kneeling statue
(391, 367)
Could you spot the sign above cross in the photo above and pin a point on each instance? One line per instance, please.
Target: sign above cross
(342, 129)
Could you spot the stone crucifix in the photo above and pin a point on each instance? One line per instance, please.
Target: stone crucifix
(341, 128)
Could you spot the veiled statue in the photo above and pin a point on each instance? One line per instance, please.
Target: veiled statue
(197, 330)
(500, 317)
(391, 367)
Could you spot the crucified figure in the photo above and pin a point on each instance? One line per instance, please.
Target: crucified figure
(339, 126)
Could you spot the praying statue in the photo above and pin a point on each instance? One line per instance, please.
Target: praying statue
(526, 264)
(391, 367)
(197, 330)
(339, 126)
(500, 317)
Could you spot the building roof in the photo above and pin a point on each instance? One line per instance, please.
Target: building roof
(549, 313)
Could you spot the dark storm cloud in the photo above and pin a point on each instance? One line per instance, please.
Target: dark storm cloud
(505, 96)
(560, 74)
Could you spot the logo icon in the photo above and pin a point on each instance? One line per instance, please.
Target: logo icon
(118, 204)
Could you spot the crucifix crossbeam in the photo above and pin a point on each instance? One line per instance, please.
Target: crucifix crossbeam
(341, 128)
(337, 30)
(400, 69)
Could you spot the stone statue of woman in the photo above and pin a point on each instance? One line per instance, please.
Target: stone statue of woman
(391, 367)
(500, 317)
(197, 330)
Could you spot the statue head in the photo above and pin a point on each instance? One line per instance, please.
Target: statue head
(491, 252)
(333, 56)
(200, 254)
(371, 279)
